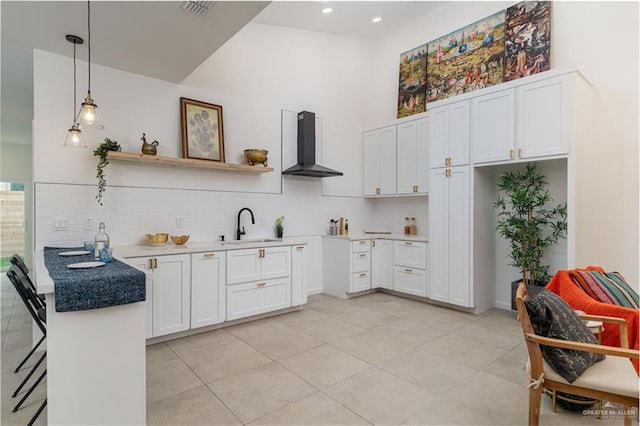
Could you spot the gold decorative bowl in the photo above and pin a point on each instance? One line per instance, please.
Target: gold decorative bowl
(256, 156)
(157, 239)
(179, 239)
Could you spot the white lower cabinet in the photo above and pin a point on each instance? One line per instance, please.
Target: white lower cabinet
(298, 276)
(208, 289)
(258, 281)
(346, 266)
(247, 299)
(381, 264)
(168, 292)
(409, 267)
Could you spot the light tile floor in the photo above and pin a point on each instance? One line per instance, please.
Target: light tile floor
(375, 359)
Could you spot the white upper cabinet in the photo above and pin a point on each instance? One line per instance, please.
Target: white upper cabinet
(450, 134)
(493, 127)
(413, 157)
(543, 118)
(380, 161)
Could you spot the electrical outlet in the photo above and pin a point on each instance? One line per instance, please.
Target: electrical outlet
(88, 224)
(60, 224)
(179, 221)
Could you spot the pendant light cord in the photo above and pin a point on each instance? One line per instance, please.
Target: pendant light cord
(89, 34)
(74, 83)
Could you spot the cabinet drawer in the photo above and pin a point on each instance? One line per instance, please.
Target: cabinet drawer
(360, 281)
(360, 262)
(360, 246)
(410, 254)
(247, 299)
(410, 281)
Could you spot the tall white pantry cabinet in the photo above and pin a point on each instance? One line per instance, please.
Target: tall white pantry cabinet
(471, 139)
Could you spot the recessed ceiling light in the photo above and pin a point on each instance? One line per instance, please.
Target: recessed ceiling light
(327, 10)
(376, 19)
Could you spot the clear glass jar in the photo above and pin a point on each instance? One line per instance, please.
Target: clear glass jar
(100, 241)
(407, 226)
(413, 226)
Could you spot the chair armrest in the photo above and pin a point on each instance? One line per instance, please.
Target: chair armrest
(588, 347)
(621, 322)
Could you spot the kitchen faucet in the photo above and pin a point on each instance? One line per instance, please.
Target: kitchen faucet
(240, 232)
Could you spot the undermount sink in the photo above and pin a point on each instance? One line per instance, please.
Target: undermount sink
(263, 240)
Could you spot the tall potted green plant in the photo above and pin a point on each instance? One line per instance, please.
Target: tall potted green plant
(528, 221)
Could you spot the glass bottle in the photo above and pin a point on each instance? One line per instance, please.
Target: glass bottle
(101, 240)
(346, 227)
(407, 226)
(413, 226)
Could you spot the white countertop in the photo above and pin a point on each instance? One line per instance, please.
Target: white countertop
(201, 246)
(401, 237)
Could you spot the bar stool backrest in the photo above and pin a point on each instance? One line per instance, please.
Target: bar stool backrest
(34, 305)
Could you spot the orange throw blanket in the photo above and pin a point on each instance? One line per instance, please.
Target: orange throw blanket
(563, 285)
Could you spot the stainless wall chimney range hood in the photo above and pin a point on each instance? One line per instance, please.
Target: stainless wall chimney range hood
(307, 150)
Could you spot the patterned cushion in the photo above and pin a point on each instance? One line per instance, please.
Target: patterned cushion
(606, 287)
(553, 317)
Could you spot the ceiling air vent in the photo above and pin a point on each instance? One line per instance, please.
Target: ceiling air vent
(199, 8)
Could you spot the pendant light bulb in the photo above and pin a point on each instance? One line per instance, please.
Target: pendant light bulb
(89, 111)
(74, 137)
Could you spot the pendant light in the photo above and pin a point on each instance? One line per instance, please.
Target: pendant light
(74, 135)
(89, 111)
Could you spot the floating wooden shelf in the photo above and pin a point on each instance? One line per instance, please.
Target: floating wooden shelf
(186, 162)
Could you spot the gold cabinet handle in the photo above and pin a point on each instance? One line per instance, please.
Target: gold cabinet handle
(150, 264)
(363, 255)
(519, 152)
(511, 154)
(299, 247)
(373, 243)
(408, 270)
(208, 254)
(361, 242)
(363, 274)
(377, 191)
(261, 284)
(408, 243)
(155, 263)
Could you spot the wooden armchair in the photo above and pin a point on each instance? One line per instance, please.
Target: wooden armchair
(613, 379)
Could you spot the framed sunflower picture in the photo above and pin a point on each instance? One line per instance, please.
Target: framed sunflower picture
(202, 135)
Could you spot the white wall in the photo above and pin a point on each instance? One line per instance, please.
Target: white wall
(601, 39)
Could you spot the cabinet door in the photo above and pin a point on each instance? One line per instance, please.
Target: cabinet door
(459, 237)
(243, 265)
(459, 133)
(247, 299)
(275, 263)
(360, 281)
(387, 161)
(439, 235)
(543, 118)
(298, 276)
(371, 159)
(171, 294)
(439, 137)
(493, 127)
(381, 264)
(410, 280)
(422, 155)
(410, 254)
(208, 288)
(406, 157)
(142, 263)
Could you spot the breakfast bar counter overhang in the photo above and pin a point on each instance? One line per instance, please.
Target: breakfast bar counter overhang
(96, 358)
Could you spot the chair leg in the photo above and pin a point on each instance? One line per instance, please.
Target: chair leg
(535, 395)
(29, 355)
(33, 370)
(35, 416)
(31, 389)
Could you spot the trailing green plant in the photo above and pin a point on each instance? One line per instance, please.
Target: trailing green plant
(101, 151)
(528, 221)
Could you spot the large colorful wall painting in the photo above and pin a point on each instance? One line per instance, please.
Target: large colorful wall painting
(528, 39)
(468, 59)
(507, 45)
(412, 82)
